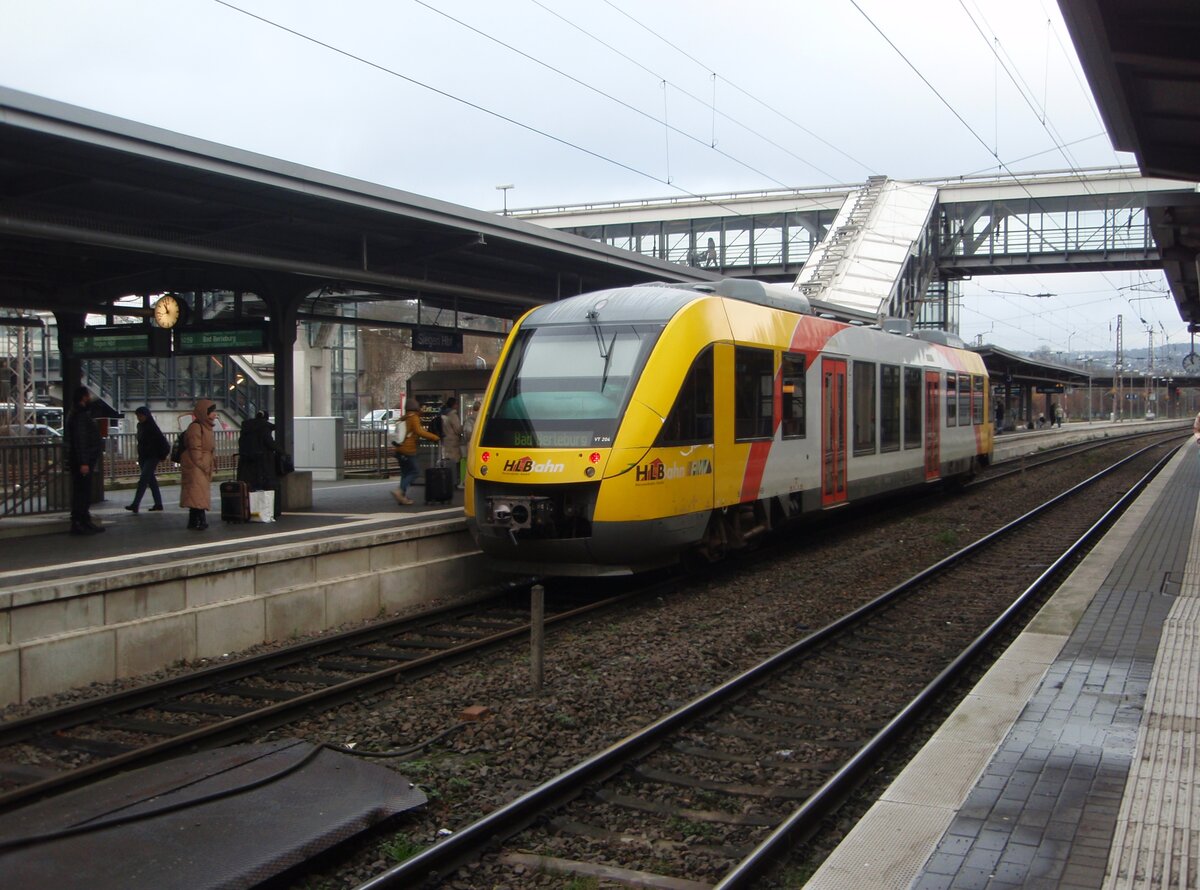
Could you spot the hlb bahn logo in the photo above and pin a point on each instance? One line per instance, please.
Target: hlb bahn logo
(657, 471)
(529, 465)
(654, 471)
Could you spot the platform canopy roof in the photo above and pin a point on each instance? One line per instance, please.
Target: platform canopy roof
(1005, 366)
(94, 207)
(1141, 60)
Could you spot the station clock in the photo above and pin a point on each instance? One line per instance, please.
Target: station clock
(168, 311)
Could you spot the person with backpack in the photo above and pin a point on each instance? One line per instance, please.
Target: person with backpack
(152, 447)
(408, 431)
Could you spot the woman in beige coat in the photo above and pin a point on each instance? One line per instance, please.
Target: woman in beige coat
(198, 462)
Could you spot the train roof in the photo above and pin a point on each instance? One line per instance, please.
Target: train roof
(638, 304)
(659, 301)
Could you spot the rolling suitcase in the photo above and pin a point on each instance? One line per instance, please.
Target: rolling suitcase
(235, 502)
(439, 484)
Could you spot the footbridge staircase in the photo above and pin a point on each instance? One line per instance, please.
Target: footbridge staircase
(878, 257)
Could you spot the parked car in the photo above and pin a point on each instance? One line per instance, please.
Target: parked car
(379, 419)
(34, 429)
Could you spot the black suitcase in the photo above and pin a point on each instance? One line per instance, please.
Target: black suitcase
(235, 502)
(439, 484)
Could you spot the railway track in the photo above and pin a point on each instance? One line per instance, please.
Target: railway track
(43, 755)
(1048, 456)
(719, 789)
(51, 752)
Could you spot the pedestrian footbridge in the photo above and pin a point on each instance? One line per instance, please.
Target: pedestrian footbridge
(931, 232)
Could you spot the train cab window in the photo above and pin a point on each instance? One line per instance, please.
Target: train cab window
(889, 407)
(864, 407)
(791, 376)
(566, 386)
(951, 400)
(964, 399)
(754, 393)
(691, 419)
(977, 399)
(912, 408)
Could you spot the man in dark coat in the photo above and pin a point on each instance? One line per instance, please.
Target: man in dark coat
(257, 451)
(152, 447)
(84, 448)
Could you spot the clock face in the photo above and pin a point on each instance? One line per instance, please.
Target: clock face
(166, 311)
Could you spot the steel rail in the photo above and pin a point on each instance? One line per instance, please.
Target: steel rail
(67, 716)
(1033, 460)
(236, 728)
(427, 868)
(805, 820)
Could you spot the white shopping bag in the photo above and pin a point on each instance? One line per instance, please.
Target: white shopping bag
(262, 506)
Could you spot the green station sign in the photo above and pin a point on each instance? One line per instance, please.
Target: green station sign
(218, 341)
(133, 341)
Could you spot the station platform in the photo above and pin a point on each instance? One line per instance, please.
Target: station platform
(149, 592)
(1073, 763)
(38, 547)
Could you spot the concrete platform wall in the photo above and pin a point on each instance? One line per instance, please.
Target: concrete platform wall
(101, 628)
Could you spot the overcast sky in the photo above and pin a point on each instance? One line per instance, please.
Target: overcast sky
(571, 102)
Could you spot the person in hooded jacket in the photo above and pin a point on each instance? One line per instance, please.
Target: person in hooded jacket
(150, 450)
(199, 460)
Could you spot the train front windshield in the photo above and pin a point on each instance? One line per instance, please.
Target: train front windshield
(566, 386)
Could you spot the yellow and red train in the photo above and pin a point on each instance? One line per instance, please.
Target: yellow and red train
(625, 428)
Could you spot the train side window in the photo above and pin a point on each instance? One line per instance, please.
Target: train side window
(912, 408)
(691, 419)
(793, 404)
(754, 393)
(977, 399)
(951, 400)
(889, 407)
(964, 399)
(864, 408)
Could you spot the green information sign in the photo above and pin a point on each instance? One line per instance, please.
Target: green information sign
(110, 343)
(219, 341)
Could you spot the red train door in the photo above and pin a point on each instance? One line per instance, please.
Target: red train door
(933, 425)
(833, 431)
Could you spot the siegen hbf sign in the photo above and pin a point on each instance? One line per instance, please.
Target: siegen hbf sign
(434, 340)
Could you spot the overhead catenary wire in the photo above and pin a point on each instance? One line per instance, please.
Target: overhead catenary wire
(711, 105)
(1023, 90)
(587, 86)
(474, 105)
(1002, 164)
(744, 92)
